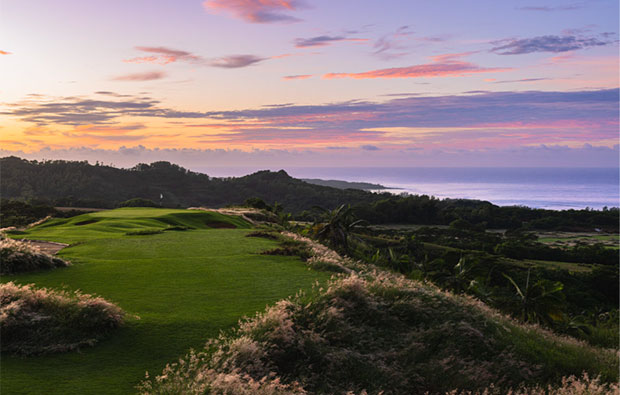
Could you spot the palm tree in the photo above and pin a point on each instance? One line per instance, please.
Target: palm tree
(458, 279)
(337, 226)
(538, 302)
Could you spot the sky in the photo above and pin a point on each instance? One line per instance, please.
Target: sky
(290, 83)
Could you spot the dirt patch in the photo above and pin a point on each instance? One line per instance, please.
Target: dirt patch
(49, 247)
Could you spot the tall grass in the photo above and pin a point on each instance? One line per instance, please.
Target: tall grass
(379, 332)
(39, 321)
(19, 256)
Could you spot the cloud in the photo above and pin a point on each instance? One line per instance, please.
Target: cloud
(232, 162)
(392, 45)
(5, 52)
(521, 80)
(471, 121)
(84, 111)
(447, 65)
(297, 77)
(550, 43)
(145, 76)
(109, 93)
(369, 147)
(235, 61)
(257, 11)
(321, 41)
(567, 7)
(163, 56)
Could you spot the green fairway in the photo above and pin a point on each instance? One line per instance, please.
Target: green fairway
(185, 286)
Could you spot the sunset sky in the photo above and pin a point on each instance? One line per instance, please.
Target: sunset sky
(277, 83)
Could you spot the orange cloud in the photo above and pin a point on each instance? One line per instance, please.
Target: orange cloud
(149, 59)
(5, 52)
(442, 66)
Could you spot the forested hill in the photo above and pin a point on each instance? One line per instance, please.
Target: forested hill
(80, 184)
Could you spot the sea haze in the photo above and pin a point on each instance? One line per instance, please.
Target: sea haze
(550, 188)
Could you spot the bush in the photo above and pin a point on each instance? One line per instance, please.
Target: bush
(138, 202)
(18, 257)
(264, 234)
(39, 321)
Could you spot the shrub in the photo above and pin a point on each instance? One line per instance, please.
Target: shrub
(178, 227)
(264, 234)
(138, 202)
(18, 256)
(38, 321)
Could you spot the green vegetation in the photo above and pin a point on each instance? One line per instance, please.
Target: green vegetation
(40, 321)
(78, 184)
(185, 287)
(365, 186)
(571, 290)
(19, 257)
(16, 213)
(138, 202)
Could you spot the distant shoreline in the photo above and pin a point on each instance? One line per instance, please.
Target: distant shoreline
(340, 184)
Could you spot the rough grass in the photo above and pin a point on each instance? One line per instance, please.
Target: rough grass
(381, 333)
(18, 257)
(185, 287)
(39, 321)
(570, 385)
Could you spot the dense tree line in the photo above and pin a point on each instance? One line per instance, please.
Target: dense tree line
(431, 211)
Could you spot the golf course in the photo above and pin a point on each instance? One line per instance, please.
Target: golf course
(181, 276)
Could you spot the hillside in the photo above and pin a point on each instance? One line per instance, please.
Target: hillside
(365, 186)
(67, 183)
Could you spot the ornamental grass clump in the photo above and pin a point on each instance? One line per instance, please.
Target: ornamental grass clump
(19, 256)
(379, 332)
(40, 321)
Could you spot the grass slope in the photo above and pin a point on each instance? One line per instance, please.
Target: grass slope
(185, 286)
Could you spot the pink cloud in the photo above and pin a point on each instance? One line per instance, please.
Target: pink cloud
(297, 77)
(163, 56)
(146, 76)
(235, 61)
(322, 41)
(256, 11)
(442, 66)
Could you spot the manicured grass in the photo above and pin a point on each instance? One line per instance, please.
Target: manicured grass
(186, 286)
(567, 239)
(553, 265)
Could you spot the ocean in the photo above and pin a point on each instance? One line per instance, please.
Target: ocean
(550, 188)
